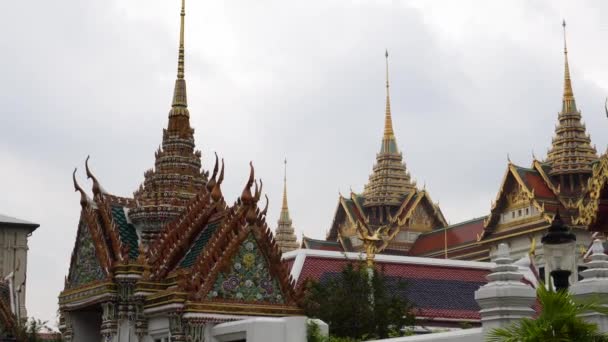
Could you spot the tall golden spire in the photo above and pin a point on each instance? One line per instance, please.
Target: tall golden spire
(388, 121)
(571, 153)
(179, 106)
(161, 198)
(285, 207)
(390, 181)
(569, 105)
(285, 234)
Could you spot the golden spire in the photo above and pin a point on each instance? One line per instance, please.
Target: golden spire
(284, 207)
(568, 102)
(390, 181)
(571, 151)
(284, 235)
(180, 102)
(180, 59)
(388, 121)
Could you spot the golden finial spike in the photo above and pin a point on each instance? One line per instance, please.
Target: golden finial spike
(180, 102)
(285, 186)
(180, 60)
(568, 100)
(388, 122)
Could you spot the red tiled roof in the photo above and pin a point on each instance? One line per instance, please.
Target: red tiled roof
(457, 234)
(536, 182)
(436, 291)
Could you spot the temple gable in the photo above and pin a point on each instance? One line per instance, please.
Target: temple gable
(247, 277)
(85, 267)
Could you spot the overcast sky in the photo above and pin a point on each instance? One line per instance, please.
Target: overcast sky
(471, 82)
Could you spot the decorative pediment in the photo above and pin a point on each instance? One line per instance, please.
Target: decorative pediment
(517, 201)
(86, 267)
(421, 219)
(422, 215)
(247, 277)
(517, 197)
(595, 202)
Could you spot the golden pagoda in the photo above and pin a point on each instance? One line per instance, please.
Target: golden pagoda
(175, 253)
(571, 153)
(529, 197)
(284, 234)
(390, 207)
(176, 177)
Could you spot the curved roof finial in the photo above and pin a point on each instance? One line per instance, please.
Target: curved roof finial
(97, 189)
(211, 183)
(246, 196)
(216, 192)
(84, 201)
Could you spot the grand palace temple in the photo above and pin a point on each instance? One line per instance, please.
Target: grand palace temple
(571, 180)
(174, 260)
(391, 202)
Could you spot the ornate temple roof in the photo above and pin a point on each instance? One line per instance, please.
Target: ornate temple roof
(571, 150)
(176, 177)
(389, 182)
(284, 234)
(177, 240)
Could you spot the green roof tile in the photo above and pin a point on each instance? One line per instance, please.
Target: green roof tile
(199, 245)
(126, 231)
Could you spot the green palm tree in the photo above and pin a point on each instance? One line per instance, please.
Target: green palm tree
(559, 321)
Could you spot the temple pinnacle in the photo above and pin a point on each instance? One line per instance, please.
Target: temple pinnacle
(285, 207)
(179, 93)
(571, 153)
(284, 234)
(568, 101)
(388, 122)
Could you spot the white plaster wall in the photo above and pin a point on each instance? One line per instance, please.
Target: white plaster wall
(466, 335)
(292, 329)
(158, 327)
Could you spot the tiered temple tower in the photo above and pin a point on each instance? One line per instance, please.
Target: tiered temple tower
(571, 153)
(390, 181)
(390, 209)
(162, 265)
(530, 197)
(176, 176)
(284, 234)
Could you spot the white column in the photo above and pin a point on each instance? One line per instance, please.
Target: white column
(504, 299)
(594, 284)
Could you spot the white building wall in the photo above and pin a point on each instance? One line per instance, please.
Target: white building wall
(13, 258)
(466, 335)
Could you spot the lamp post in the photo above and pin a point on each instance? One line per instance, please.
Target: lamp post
(558, 248)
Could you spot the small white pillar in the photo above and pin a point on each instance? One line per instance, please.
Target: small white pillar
(594, 284)
(505, 298)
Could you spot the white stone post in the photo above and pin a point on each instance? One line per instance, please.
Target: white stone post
(594, 284)
(504, 299)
